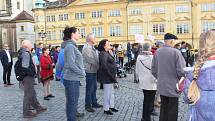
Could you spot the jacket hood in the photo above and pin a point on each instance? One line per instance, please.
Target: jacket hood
(63, 44)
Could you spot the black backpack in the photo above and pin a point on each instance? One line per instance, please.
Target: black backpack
(19, 72)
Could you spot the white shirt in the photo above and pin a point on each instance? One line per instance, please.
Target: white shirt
(8, 56)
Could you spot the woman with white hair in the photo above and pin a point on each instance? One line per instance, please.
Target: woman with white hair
(147, 81)
(200, 81)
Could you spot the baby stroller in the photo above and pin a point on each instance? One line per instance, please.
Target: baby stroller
(120, 71)
(129, 66)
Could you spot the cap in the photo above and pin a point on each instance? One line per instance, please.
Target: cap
(168, 36)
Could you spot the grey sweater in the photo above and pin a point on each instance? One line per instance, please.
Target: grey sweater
(73, 62)
(91, 59)
(167, 67)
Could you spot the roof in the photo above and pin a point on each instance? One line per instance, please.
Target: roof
(23, 16)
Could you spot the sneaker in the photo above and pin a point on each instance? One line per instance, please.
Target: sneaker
(97, 106)
(89, 109)
(114, 110)
(30, 114)
(50, 95)
(108, 112)
(46, 98)
(79, 114)
(41, 109)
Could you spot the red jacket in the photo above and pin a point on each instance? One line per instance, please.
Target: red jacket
(46, 68)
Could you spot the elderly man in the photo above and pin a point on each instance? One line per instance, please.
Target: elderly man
(167, 67)
(7, 63)
(30, 99)
(91, 62)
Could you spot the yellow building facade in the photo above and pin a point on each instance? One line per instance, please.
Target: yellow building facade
(120, 20)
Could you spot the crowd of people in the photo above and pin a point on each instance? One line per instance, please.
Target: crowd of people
(157, 68)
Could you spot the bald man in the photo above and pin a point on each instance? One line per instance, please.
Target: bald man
(7, 63)
(30, 98)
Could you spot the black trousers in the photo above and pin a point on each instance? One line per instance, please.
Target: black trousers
(6, 73)
(169, 108)
(148, 104)
(121, 61)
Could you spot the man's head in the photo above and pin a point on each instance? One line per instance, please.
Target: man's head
(40, 45)
(91, 38)
(6, 47)
(169, 39)
(183, 44)
(27, 45)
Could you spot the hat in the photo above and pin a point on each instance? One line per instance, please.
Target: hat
(168, 36)
(158, 43)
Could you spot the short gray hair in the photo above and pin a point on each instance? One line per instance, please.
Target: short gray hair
(89, 36)
(144, 47)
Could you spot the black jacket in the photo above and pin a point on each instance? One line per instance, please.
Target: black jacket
(4, 58)
(107, 68)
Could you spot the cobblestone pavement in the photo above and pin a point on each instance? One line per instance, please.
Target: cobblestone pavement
(128, 99)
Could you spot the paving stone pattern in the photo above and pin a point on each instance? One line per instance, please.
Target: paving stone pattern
(128, 99)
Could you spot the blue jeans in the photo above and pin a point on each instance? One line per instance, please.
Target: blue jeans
(91, 87)
(72, 95)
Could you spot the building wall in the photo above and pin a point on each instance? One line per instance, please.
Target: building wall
(25, 31)
(186, 19)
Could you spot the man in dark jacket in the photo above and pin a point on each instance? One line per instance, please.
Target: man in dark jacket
(30, 98)
(7, 63)
(167, 67)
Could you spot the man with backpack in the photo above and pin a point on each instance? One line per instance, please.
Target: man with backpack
(25, 65)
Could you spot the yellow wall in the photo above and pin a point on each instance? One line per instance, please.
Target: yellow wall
(170, 18)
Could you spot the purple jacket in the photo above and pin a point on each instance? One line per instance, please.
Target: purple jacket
(204, 109)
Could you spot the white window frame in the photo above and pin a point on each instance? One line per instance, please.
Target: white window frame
(115, 30)
(135, 11)
(206, 26)
(82, 32)
(114, 13)
(158, 28)
(182, 8)
(182, 28)
(158, 10)
(208, 7)
(135, 29)
(80, 15)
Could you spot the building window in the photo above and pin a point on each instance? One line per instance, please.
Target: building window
(22, 28)
(158, 28)
(182, 9)
(48, 35)
(96, 14)
(208, 7)
(48, 18)
(61, 34)
(115, 30)
(114, 13)
(135, 29)
(182, 28)
(61, 17)
(206, 26)
(135, 11)
(65, 17)
(52, 18)
(79, 16)
(98, 31)
(82, 32)
(18, 5)
(158, 10)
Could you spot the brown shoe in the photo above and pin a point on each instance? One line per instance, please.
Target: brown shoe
(30, 114)
(41, 109)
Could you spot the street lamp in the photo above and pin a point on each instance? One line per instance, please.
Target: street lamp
(42, 35)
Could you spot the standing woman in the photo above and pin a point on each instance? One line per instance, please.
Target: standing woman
(46, 72)
(107, 75)
(147, 81)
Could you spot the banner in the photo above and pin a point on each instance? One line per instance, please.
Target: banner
(139, 38)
